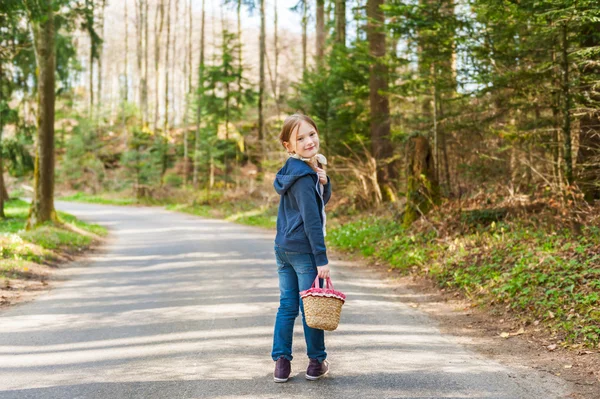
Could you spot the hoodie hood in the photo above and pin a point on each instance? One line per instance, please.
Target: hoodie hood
(291, 171)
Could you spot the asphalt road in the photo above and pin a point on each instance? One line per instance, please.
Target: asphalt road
(177, 306)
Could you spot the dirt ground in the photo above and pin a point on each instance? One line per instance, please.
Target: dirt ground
(40, 278)
(494, 333)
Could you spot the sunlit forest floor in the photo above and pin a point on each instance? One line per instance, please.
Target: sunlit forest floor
(28, 257)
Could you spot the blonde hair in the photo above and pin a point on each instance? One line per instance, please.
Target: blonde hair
(290, 123)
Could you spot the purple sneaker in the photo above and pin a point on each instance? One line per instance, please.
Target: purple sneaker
(316, 370)
(283, 368)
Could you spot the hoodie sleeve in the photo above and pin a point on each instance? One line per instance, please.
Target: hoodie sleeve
(305, 193)
(327, 191)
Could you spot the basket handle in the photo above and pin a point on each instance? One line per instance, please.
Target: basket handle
(328, 283)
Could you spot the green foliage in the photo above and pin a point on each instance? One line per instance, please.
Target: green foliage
(42, 244)
(143, 158)
(17, 157)
(538, 274)
(337, 98)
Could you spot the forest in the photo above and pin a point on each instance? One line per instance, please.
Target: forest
(463, 136)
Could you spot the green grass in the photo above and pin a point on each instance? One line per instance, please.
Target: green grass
(246, 213)
(98, 199)
(43, 244)
(538, 275)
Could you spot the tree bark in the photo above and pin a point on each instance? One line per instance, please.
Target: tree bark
(422, 191)
(139, 33)
(144, 81)
(2, 185)
(240, 55)
(320, 32)
(566, 106)
(167, 68)
(379, 103)
(276, 50)
(90, 10)
(158, 27)
(340, 22)
(126, 69)
(588, 157)
(200, 98)
(261, 86)
(42, 204)
(100, 55)
(188, 76)
(304, 34)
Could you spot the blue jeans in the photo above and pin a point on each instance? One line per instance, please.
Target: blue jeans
(297, 271)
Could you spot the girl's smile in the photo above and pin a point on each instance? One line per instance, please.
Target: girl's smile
(304, 141)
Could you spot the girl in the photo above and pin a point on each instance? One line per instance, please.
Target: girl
(300, 242)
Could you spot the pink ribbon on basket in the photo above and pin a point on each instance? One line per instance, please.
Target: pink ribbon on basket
(329, 291)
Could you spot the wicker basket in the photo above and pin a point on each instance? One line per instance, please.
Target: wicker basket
(322, 306)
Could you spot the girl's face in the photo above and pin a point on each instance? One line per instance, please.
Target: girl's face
(304, 141)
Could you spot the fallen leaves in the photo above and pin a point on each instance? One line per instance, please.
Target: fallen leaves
(507, 335)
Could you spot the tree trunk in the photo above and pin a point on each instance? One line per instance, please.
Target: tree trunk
(276, 49)
(2, 185)
(380, 111)
(144, 81)
(90, 10)
(240, 58)
(422, 191)
(158, 27)
(139, 34)
(126, 69)
(320, 32)
(167, 68)
(42, 204)
(588, 158)
(188, 76)
(566, 106)
(100, 55)
(304, 34)
(174, 57)
(165, 132)
(200, 98)
(340, 22)
(261, 86)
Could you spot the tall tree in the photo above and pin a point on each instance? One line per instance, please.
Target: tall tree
(340, 22)
(276, 50)
(139, 48)
(304, 33)
(158, 27)
(126, 67)
(89, 24)
(320, 45)
(167, 69)
(100, 55)
(41, 16)
(589, 142)
(261, 85)
(378, 99)
(200, 98)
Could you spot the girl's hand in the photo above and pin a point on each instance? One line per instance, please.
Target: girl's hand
(323, 271)
(322, 175)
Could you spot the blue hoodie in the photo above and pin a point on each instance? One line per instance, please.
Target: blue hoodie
(300, 217)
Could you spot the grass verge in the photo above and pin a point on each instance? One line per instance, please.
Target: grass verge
(21, 250)
(544, 278)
